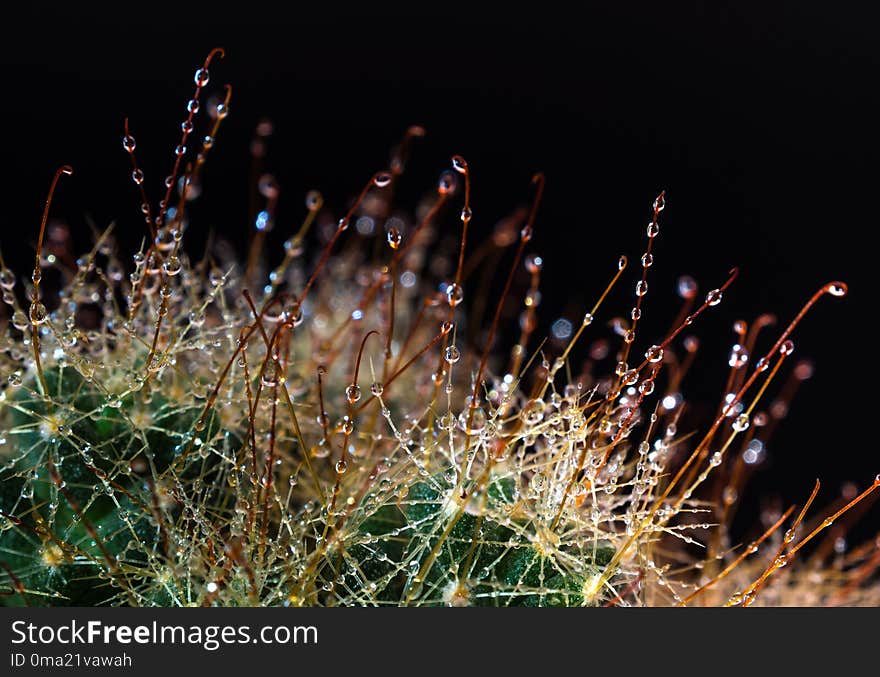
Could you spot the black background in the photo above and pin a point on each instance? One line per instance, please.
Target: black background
(759, 122)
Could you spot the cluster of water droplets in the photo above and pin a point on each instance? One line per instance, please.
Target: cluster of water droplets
(182, 431)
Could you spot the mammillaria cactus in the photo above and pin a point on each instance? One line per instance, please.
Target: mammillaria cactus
(312, 426)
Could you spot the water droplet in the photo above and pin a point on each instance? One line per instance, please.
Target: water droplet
(293, 247)
(446, 327)
(353, 393)
(320, 450)
(313, 200)
(836, 289)
(654, 354)
(533, 412)
(347, 425)
(472, 420)
(741, 423)
(646, 387)
(588, 319)
(268, 186)
(394, 237)
(687, 287)
(459, 164)
(729, 495)
(202, 77)
(538, 482)
(454, 294)
(647, 260)
(787, 347)
(534, 263)
(738, 356)
(660, 202)
(377, 388)
(713, 298)
(172, 266)
(128, 143)
(452, 355)
(447, 421)
(382, 179)
(341, 466)
(15, 379)
(270, 375)
(446, 183)
(7, 279)
(38, 313)
(653, 229)
(197, 318)
(137, 176)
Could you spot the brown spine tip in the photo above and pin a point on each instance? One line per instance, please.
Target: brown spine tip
(219, 52)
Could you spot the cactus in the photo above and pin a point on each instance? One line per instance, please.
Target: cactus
(166, 436)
